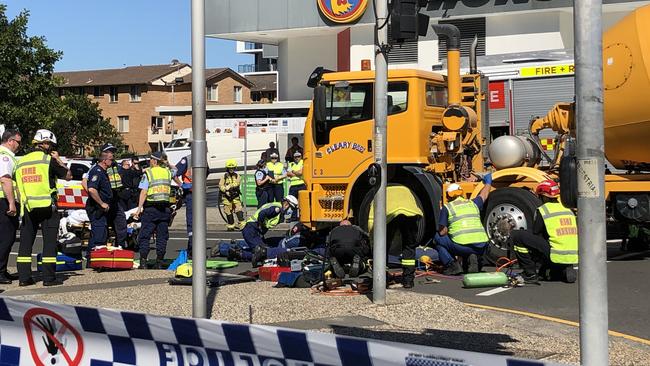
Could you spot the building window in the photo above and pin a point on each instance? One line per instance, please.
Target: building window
(98, 92)
(157, 124)
(134, 94)
(113, 94)
(238, 96)
(80, 91)
(213, 93)
(468, 29)
(123, 124)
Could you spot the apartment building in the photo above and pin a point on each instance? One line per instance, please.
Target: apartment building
(129, 97)
(262, 72)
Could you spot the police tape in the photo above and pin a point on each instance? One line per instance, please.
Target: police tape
(36, 333)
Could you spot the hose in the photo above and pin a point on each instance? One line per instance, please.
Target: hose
(220, 205)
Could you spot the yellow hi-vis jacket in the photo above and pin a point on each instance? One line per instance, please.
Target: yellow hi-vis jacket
(277, 170)
(465, 225)
(114, 177)
(271, 222)
(562, 232)
(296, 181)
(399, 201)
(33, 181)
(160, 184)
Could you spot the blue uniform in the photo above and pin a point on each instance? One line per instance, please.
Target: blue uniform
(116, 216)
(182, 168)
(98, 179)
(254, 232)
(263, 193)
(153, 218)
(446, 247)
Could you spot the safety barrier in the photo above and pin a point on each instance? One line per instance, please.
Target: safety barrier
(36, 333)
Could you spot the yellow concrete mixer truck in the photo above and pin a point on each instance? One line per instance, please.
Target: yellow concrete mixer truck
(438, 134)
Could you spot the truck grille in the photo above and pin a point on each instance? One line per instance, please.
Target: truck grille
(333, 197)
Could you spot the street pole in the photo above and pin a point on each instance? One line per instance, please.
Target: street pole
(246, 167)
(381, 102)
(591, 181)
(199, 161)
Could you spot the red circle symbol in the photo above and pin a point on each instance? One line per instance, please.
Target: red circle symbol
(52, 338)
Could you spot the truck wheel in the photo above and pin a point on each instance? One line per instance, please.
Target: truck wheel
(394, 245)
(507, 209)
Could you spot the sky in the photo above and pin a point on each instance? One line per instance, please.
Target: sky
(102, 34)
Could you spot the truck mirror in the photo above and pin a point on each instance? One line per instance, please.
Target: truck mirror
(320, 106)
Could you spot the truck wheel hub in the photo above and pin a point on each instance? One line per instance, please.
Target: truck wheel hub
(501, 220)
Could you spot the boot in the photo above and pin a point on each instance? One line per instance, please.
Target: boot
(234, 254)
(453, 269)
(570, 274)
(240, 218)
(231, 222)
(339, 271)
(408, 277)
(143, 263)
(472, 263)
(159, 261)
(357, 266)
(259, 255)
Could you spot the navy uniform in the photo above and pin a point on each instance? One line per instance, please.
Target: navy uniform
(184, 172)
(98, 179)
(155, 211)
(263, 189)
(116, 216)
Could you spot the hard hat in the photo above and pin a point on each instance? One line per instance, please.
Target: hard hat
(454, 190)
(274, 155)
(293, 201)
(297, 153)
(44, 136)
(426, 259)
(231, 163)
(548, 188)
(158, 155)
(108, 147)
(184, 270)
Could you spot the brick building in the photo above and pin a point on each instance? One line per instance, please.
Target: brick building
(130, 95)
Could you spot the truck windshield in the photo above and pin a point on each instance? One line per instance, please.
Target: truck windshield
(354, 102)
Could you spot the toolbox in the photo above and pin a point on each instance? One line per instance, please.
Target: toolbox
(105, 258)
(64, 263)
(271, 273)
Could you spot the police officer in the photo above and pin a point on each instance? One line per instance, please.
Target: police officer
(98, 206)
(130, 181)
(348, 244)
(552, 242)
(460, 230)
(11, 140)
(263, 189)
(153, 208)
(183, 178)
(229, 187)
(296, 183)
(277, 171)
(116, 216)
(36, 175)
(265, 218)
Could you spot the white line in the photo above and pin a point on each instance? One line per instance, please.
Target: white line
(494, 291)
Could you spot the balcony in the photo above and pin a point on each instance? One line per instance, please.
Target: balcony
(157, 134)
(248, 68)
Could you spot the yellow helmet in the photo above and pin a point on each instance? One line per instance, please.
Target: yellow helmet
(184, 270)
(231, 163)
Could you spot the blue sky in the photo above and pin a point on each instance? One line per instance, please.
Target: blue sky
(113, 33)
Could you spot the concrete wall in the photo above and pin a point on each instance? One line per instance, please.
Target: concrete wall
(523, 32)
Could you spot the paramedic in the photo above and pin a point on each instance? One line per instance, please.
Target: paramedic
(183, 178)
(11, 140)
(229, 187)
(153, 208)
(98, 204)
(277, 171)
(296, 182)
(36, 175)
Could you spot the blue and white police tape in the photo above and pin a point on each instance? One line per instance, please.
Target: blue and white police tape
(36, 333)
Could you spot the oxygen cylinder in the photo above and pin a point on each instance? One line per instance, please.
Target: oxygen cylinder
(488, 279)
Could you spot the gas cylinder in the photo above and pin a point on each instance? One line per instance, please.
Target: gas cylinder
(487, 279)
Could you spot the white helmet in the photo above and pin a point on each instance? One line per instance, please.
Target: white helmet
(44, 136)
(453, 187)
(293, 201)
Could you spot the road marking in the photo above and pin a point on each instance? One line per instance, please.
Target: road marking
(494, 291)
(557, 320)
(628, 255)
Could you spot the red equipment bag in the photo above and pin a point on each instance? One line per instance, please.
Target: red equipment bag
(271, 273)
(111, 259)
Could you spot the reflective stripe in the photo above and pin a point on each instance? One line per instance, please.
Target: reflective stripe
(469, 231)
(521, 249)
(159, 179)
(45, 159)
(24, 260)
(64, 262)
(564, 252)
(111, 260)
(464, 222)
(562, 230)
(48, 260)
(33, 181)
(269, 223)
(114, 177)
(408, 262)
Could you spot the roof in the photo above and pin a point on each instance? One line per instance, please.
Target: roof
(265, 82)
(284, 105)
(220, 73)
(124, 76)
(392, 74)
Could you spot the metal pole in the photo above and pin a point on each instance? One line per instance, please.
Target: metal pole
(246, 166)
(381, 102)
(591, 181)
(199, 161)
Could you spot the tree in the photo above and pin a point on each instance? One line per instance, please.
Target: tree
(29, 97)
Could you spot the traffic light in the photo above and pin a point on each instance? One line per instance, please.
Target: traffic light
(406, 21)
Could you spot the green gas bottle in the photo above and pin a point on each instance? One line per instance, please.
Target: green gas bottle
(487, 279)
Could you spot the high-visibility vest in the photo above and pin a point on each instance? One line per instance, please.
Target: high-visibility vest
(114, 177)
(160, 184)
(399, 201)
(562, 232)
(33, 181)
(296, 181)
(187, 176)
(465, 225)
(5, 152)
(276, 168)
(269, 222)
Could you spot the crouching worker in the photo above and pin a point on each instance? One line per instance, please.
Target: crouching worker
(553, 241)
(348, 246)
(266, 217)
(460, 231)
(298, 237)
(229, 187)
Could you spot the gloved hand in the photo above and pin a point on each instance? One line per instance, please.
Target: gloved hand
(487, 179)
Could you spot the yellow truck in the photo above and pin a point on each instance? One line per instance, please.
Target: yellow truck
(438, 134)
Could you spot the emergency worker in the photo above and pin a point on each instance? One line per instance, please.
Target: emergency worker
(263, 187)
(130, 180)
(229, 187)
(183, 178)
(154, 208)
(11, 140)
(402, 216)
(277, 171)
(98, 206)
(460, 230)
(36, 175)
(296, 182)
(265, 218)
(116, 216)
(348, 244)
(552, 242)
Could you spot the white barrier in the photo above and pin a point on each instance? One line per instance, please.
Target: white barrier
(35, 333)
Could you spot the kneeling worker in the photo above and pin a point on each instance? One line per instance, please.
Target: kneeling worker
(348, 244)
(460, 231)
(553, 239)
(229, 187)
(265, 218)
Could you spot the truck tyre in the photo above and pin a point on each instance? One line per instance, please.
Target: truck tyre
(364, 213)
(507, 209)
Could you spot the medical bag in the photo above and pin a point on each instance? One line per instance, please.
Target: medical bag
(105, 258)
(64, 263)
